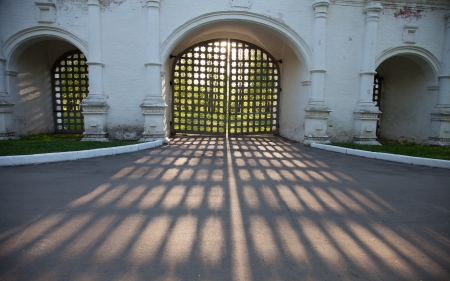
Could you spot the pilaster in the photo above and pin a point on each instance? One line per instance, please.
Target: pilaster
(95, 107)
(6, 103)
(317, 113)
(367, 113)
(440, 116)
(153, 105)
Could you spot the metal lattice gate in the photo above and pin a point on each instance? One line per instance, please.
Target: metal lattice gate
(70, 87)
(224, 86)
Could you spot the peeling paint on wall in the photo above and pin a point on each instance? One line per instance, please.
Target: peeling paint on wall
(407, 12)
(109, 4)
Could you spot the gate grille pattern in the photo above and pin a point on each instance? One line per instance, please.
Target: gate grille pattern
(225, 86)
(70, 87)
(253, 90)
(199, 89)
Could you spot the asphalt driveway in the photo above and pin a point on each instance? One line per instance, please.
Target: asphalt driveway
(211, 208)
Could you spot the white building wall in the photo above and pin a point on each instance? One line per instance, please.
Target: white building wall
(17, 16)
(345, 36)
(429, 35)
(265, 23)
(123, 53)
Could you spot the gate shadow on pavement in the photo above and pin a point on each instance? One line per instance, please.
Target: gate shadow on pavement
(215, 208)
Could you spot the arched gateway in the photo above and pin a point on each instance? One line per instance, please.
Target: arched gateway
(225, 85)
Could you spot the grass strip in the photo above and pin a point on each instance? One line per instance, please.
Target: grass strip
(37, 144)
(403, 148)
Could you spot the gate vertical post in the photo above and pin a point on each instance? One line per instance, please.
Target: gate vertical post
(366, 113)
(153, 106)
(6, 103)
(440, 116)
(94, 105)
(317, 113)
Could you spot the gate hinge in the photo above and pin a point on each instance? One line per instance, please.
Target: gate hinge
(171, 83)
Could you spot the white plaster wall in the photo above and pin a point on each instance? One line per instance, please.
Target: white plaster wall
(293, 13)
(31, 89)
(429, 35)
(123, 53)
(16, 16)
(345, 35)
(406, 102)
(294, 97)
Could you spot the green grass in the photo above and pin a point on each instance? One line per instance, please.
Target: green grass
(403, 148)
(37, 144)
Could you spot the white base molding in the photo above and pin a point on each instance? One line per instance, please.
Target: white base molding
(321, 140)
(154, 109)
(94, 112)
(8, 136)
(6, 121)
(95, 137)
(316, 124)
(366, 141)
(164, 140)
(365, 125)
(438, 141)
(440, 127)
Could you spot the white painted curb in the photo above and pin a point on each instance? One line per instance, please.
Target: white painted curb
(386, 156)
(74, 155)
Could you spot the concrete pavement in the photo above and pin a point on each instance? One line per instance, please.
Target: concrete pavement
(211, 208)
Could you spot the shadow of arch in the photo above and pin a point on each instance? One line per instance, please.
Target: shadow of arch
(20, 41)
(277, 28)
(429, 64)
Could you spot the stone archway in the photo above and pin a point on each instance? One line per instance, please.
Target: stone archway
(30, 54)
(15, 45)
(30, 85)
(409, 93)
(271, 35)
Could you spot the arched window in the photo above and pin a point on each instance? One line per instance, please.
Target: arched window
(70, 86)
